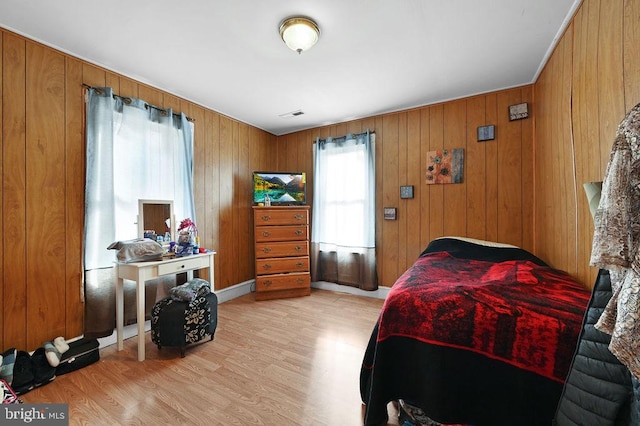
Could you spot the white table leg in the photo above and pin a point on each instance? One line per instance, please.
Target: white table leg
(119, 310)
(140, 296)
(211, 277)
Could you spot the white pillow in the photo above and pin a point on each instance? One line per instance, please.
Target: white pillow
(482, 242)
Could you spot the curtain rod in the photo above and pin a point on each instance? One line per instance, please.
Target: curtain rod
(146, 105)
(355, 135)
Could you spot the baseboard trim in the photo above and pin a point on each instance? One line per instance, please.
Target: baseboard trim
(246, 287)
(235, 291)
(380, 293)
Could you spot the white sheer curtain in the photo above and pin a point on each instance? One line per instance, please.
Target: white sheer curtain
(134, 151)
(343, 227)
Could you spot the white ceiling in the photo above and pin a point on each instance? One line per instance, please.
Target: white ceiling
(373, 57)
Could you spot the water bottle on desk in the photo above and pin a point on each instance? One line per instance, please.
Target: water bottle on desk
(196, 247)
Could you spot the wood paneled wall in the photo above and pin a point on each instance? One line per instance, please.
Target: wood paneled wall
(43, 172)
(494, 202)
(584, 91)
(514, 190)
(586, 88)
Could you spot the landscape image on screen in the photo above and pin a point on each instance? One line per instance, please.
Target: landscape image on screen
(282, 188)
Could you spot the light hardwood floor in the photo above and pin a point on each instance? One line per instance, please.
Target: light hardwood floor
(280, 362)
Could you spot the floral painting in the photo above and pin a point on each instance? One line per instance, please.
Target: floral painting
(445, 166)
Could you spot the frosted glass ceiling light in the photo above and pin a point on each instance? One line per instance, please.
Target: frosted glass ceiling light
(299, 33)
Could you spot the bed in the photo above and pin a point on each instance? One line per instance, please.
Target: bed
(474, 334)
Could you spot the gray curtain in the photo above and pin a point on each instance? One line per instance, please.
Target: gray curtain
(134, 151)
(343, 225)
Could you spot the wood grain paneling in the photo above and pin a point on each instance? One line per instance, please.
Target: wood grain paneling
(475, 165)
(74, 197)
(14, 209)
(455, 195)
(2, 286)
(210, 233)
(388, 250)
(509, 170)
(43, 172)
(524, 187)
(414, 175)
(225, 256)
(488, 204)
(631, 63)
(436, 192)
(45, 187)
(584, 91)
(491, 164)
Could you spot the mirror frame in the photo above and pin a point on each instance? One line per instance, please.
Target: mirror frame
(172, 219)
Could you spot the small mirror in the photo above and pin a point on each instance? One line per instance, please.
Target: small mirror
(155, 219)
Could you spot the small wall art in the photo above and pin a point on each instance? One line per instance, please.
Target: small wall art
(445, 166)
(486, 133)
(390, 213)
(406, 191)
(519, 111)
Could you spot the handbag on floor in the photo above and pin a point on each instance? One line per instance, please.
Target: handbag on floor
(81, 353)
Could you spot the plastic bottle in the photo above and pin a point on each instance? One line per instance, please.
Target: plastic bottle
(267, 200)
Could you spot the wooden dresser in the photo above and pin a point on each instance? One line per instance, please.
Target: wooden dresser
(282, 251)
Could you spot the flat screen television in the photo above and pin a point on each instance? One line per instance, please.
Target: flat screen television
(283, 188)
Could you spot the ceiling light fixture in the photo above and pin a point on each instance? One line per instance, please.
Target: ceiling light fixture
(299, 33)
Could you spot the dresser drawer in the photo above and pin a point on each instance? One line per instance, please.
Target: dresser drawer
(281, 265)
(282, 282)
(287, 216)
(285, 249)
(281, 233)
(183, 264)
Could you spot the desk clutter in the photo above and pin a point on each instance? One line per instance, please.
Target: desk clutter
(22, 371)
(187, 315)
(147, 249)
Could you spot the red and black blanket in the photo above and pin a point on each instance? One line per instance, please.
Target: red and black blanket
(475, 322)
(515, 311)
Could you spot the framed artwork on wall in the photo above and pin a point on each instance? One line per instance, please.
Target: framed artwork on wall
(390, 213)
(519, 111)
(486, 133)
(445, 166)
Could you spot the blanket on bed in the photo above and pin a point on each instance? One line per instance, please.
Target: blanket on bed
(516, 311)
(494, 353)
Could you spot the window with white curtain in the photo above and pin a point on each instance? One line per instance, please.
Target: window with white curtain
(343, 200)
(150, 165)
(134, 151)
(343, 227)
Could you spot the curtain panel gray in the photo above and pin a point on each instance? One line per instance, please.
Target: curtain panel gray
(134, 151)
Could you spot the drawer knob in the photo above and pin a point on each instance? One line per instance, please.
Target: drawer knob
(300, 280)
(298, 217)
(266, 250)
(182, 266)
(267, 283)
(299, 232)
(300, 264)
(266, 233)
(266, 217)
(266, 266)
(298, 248)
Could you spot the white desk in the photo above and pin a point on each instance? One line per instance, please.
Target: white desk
(140, 272)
